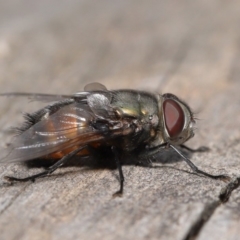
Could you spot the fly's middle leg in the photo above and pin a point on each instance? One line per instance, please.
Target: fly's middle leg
(119, 167)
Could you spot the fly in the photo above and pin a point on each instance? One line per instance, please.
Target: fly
(131, 121)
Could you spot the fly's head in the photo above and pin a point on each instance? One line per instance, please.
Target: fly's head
(178, 120)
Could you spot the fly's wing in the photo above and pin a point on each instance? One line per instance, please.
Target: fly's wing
(95, 86)
(72, 125)
(38, 96)
(50, 134)
(57, 97)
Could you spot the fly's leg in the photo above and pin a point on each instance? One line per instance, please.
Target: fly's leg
(48, 171)
(119, 166)
(196, 170)
(200, 149)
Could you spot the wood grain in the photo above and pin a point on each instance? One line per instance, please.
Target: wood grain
(189, 48)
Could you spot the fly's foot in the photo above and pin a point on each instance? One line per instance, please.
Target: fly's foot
(202, 149)
(10, 179)
(224, 178)
(13, 179)
(118, 194)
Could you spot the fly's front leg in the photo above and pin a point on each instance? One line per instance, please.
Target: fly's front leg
(157, 149)
(198, 171)
(119, 167)
(48, 171)
(200, 149)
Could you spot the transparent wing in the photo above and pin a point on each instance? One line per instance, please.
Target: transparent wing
(95, 86)
(57, 97)
(69, 127)
(48, 135)
(38, 96)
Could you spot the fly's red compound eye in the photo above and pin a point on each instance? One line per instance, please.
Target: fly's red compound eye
(174, 117)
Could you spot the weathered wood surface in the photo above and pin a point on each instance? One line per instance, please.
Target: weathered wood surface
(190, 48)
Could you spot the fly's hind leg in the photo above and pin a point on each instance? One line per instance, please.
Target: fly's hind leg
(48, 171)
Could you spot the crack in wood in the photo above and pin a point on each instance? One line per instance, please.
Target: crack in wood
(210, 208)
(13, 199)
(203, 218)
(227, 191)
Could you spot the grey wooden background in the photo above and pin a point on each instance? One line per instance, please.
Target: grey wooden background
(189, 48)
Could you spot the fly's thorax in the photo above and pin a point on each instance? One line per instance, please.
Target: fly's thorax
(177, 119)
(136, 104)
(142, 110)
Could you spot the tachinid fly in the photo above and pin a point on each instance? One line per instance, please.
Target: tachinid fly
(121, 120)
